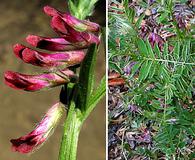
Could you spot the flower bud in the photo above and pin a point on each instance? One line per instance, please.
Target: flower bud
(38, 82)
(33, 140)
(81, 39)
(41, 59)
(78, 25)
(52, 44)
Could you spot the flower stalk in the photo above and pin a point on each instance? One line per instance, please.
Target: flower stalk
(84, 99)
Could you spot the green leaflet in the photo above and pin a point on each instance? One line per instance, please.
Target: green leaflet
(129, 11)
(96, 96)
(153, 69)
(166, 52)
(138, 23)
(134, 69)
(144, 71)
(86, 77)
(142, 47)
(176, 52)
(149, 49)
(157, 50)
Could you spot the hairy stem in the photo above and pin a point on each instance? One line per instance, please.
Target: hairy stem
(72, 128)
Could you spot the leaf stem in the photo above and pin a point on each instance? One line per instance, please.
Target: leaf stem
(169, 61)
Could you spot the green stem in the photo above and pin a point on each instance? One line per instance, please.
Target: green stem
(169, 61)
(72, 127)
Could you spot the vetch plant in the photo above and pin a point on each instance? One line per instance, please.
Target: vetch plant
(153, 52)
(75, 47)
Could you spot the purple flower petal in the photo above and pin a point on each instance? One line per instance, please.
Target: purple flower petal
(127, 69)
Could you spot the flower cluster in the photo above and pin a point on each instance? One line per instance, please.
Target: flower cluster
(183, 14)
(59, 54)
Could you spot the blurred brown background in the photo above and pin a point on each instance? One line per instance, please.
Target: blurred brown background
(19, 110)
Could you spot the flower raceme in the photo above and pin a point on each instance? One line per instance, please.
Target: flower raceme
(66, 51)
(59, 54)
(40, 134)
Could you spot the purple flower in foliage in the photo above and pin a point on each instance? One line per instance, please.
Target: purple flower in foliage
(127, 68)
(155, 39)
(151, 1)
(183, 15)
(37, 58)
(37, 82)
(144, 137)
(33, 140)
(133, 108)
(181, 21)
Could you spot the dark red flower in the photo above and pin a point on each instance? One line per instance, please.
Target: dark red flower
(37, 82)
(40, 134)
(76, 24)
(37, 58)
(80, 39)
(74, 34)
(52, 44)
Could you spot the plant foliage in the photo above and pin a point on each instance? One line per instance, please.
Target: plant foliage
(162, 80)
